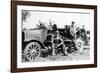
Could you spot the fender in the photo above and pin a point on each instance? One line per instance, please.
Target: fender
(41, 44)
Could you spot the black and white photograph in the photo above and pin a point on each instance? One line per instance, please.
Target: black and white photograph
(55, 36)
(52, 36)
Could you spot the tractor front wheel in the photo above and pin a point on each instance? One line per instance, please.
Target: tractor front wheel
(32, 51)
(79, 44)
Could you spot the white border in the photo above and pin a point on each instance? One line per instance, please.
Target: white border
(41, 64)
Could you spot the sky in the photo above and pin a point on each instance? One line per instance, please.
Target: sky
(59, 18)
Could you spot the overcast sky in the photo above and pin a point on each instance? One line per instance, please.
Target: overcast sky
(59, 18)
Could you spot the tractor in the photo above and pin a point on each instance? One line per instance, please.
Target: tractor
(39, 40)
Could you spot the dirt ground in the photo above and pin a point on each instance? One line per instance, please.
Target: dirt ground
(85, 55)
(74, 56)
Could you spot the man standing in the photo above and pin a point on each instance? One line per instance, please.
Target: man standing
(73, 29)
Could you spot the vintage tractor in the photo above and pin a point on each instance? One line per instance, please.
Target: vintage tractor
(36, 41)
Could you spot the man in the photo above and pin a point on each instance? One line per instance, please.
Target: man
(73, 29)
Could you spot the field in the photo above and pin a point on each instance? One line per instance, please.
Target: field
(85, 55)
